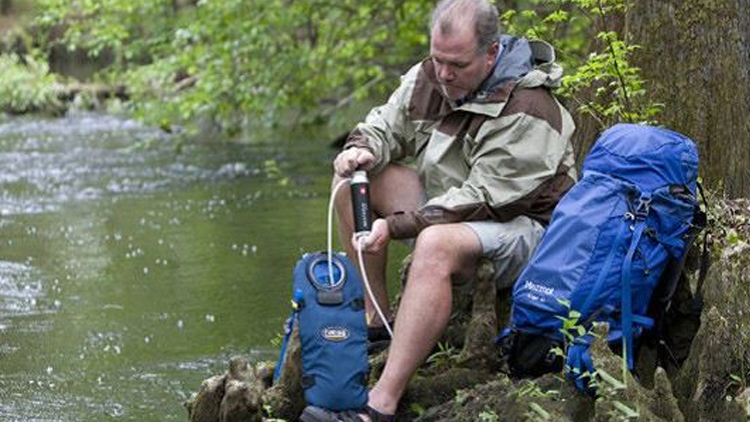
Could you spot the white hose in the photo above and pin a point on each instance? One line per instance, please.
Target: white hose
(359, 257)
(367, 286)
(330, 230)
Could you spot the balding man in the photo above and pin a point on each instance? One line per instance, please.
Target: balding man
(491, 158)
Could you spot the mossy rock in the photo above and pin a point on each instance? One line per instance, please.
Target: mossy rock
(235, 396)
(621, 397)
(547, 398)
(711, 381)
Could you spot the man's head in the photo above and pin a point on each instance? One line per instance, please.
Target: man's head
(463, 44)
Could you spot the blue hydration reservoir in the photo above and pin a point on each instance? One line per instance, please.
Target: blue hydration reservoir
(329, 308)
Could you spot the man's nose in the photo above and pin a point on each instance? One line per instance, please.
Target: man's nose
(445, 73)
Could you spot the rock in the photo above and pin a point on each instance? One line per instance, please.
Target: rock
(377, 364)
(621, 397)
(548, 398)
(204, 405)
(240, 370)
(242, 402)
(235, 396)
(433, 389)
(286, 398)
(264, 373)
(479, 349)
(243, 393)
(720, 350)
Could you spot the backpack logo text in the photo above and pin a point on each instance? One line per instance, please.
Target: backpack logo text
(335, 334)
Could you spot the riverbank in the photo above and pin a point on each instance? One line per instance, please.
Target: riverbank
(710, 383)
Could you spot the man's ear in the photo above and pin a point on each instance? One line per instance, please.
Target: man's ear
(492, 51)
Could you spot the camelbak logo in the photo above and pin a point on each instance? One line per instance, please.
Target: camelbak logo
(537, 288)
(335, 333)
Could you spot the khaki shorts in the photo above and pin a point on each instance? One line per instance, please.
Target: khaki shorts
(509, 245)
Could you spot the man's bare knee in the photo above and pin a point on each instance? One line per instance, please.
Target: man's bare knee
(447, 250)
(433, 243)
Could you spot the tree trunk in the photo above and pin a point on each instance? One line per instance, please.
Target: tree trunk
(5, 7)
(697, 59)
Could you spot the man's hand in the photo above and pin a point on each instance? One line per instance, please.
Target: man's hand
(352, 159)
(376, 240)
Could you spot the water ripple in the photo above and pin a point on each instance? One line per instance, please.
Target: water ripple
(50, 162)
(19, 290)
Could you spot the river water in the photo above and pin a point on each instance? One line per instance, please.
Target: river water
(133, 265)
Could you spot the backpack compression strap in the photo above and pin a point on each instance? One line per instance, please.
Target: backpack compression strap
(627, 296)
(297, 304)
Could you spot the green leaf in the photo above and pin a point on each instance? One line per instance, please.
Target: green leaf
(609, 379)
(626, 411)
(417, 409)
(564, 302)
(539, 410)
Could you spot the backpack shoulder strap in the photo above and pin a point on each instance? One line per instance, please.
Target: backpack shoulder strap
(671, 275)
(664, 295)
(705, 255)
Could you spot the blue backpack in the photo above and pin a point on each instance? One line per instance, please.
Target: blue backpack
(332, 330)
(633, 213)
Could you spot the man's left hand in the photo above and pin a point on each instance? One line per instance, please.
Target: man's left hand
(377, 240)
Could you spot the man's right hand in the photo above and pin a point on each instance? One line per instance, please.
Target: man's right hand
(376, 240)
(352, 159)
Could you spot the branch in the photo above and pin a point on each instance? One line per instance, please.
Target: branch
(611, 46)
(349, 98)
(581, 104)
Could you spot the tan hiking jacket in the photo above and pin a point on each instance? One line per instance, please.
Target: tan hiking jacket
(502, 153)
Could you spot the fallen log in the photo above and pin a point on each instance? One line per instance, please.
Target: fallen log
(97, 92)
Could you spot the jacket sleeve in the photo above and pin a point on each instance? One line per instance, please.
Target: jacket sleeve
(517, 167)
(387, 131)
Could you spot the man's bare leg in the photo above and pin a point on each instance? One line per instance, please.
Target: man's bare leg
(442, 253)
(396, 188)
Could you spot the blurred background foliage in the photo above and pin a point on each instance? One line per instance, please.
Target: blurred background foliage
(239, 65)
(242, 62)
(249, 68)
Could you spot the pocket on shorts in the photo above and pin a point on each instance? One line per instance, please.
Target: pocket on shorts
(509, 245)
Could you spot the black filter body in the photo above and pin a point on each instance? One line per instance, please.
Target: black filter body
(360, 188)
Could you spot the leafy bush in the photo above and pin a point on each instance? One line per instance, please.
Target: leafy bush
(26, 85)
(242, 61)
(599, 79)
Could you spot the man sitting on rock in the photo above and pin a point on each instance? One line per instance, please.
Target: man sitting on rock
(492, 157)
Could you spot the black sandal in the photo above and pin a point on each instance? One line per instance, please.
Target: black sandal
(318, 414)
(376, 416)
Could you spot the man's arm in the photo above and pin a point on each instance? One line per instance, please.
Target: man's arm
(521, 166)
(387, 133)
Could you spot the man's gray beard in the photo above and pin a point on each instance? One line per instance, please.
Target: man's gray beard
(452, 101)
(445, 93)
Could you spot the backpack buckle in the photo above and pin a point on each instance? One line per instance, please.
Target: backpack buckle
(644, 205)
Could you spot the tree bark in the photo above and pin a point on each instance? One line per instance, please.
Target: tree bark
(5, 7)
(696, 58)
